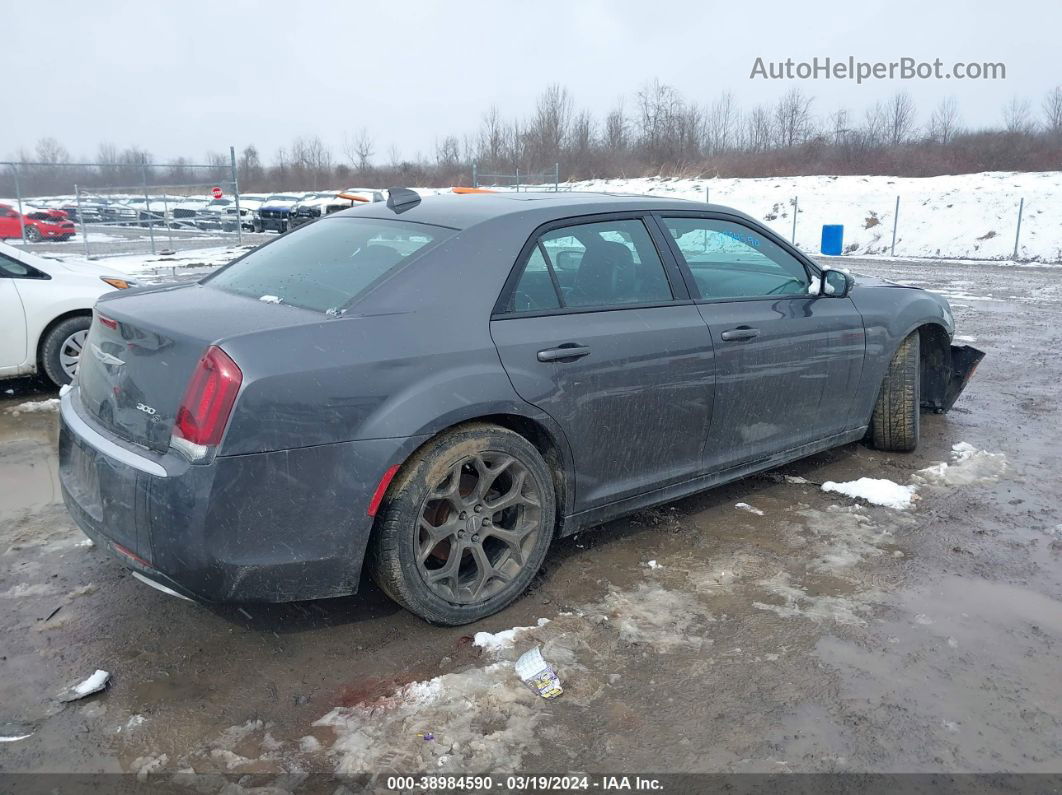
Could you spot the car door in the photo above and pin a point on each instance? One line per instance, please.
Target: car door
(787, 360)
(598, 332)
(12, 315)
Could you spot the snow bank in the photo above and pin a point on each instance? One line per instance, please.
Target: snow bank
(965, 216)
(35, 407)
(877, 491)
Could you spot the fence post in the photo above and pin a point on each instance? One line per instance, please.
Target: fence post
(166, 220)
(556, 177)
(517, 180)
(147, 200)
(81, 220)
(475, 178)
(236, 196)
(707, 195)
(18, 197)
(895, 220)
(796, 209)
(1017, 234)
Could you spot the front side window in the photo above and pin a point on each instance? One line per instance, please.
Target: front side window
(326, 266)
(605, 264)
(730, 260)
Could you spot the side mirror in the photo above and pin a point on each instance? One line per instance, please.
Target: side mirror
(834, 284)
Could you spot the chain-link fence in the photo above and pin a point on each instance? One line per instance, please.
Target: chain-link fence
(115, 209)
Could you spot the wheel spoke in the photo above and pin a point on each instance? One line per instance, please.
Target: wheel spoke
(515, 495)
(489, 474)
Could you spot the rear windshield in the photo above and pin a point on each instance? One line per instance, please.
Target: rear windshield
(325, 266)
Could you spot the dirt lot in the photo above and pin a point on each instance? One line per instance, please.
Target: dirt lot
(804, 632)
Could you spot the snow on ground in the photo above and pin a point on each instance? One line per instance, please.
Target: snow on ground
(160, 265)
(876, 491)
(35, 407)
(968, 465)
(964, 216)
(505, 639)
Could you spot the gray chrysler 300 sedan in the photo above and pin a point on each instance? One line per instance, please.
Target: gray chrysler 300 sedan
(437, 388)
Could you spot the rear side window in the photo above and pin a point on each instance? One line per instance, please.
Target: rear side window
(599, 265)
(325, 266)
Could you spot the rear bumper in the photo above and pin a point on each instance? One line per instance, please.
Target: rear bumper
(267, 527)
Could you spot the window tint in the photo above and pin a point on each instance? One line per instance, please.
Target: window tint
(612, 263)
(729, 260)
(535, 291)
(325, 266)
(14, 269)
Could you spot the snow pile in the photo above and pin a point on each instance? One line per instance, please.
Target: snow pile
(35, 407)
(968, 465)
(483, 720)
(495, 642)
(876, 491)
(966, 216)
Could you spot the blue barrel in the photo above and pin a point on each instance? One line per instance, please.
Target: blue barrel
(832, 239)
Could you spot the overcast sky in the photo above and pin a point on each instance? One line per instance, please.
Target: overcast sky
(187, 77)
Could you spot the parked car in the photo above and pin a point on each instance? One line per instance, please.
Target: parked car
(214, 215)
(186, 211)
(39, 224)
(45, 312)
(436, 389)
(249, 203)
(275, 211)
(312, 208)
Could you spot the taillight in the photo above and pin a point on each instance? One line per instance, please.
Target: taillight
(206, 405)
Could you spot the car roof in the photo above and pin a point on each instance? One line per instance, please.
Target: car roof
(461, 211)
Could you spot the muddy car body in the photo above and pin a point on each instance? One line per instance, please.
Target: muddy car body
(458, 380)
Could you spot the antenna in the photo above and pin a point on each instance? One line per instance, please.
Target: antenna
(402, 199)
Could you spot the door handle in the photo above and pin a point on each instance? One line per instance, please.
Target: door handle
(740, 333)
(568, 352)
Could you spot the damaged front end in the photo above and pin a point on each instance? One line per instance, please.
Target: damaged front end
(945, 373)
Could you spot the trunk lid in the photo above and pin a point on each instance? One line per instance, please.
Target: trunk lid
(143, 347)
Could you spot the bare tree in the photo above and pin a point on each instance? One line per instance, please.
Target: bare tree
(721, 122)
(758, 129)
(491, 145)
(660, 107)
(1017, 116)
(359, 150)
(792, 118)
(1052, 106)
(549, 125)
(615, 138)
(448, 154)
(944, 122)
(899, 118)
(51, 151)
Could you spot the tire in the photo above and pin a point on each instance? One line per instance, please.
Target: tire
(33, 234)
(443, 484)
(60, 345)
(894, 425)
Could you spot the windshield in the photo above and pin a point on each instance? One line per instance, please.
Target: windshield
(327, 265)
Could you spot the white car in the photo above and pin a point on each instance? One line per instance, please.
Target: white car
(46, 310)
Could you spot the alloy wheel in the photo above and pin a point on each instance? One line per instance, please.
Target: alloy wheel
(477, 527)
